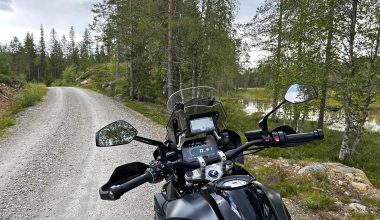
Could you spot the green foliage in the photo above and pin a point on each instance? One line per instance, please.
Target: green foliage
(4, 65)
(259, 93)
(69, 75)
(319, 200)
(5, 79)
(29, 96)
(7, 121)
(345, 199)
(362, 216)
(368, 201)
(48, 79)
(321, 177)
(156, 112)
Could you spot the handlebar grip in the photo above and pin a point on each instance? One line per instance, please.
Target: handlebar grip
(304, 137)
(116, 191)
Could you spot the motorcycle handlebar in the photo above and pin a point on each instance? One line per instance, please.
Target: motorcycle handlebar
(229, 154)
(289, 139)
(304, 137)
(116, 191)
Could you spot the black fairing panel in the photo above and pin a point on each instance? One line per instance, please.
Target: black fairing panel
(254, 203)
(192, 206)
(274, 199)
(248, 203)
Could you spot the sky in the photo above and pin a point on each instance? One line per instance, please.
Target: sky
(17, 17)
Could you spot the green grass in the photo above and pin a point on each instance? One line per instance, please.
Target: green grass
(362, 216)
(311, 190)
(259, 93)
(368, 201)
(6, 121)
(318, 201)
(156, 112)
(28, 96)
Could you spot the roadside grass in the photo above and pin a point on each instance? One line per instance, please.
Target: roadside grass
(6, 121)
(28, 96)
(154, 111)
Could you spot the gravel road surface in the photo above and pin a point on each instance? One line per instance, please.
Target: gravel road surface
(50, 167)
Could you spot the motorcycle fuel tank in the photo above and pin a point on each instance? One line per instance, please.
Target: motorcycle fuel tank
(238, 204)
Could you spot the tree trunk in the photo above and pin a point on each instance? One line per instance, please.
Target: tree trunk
(194, 78)
(117, 58)
(369, 88)
(278, 61)
(330, 25)
(345, 147)
(131, 79)
(132, 92)
(170, 48)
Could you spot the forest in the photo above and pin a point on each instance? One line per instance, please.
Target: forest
(149, 49)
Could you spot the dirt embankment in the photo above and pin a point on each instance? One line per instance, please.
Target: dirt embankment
(7, 94)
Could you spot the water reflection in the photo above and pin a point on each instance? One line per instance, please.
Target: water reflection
(116, 133)
(333, 119)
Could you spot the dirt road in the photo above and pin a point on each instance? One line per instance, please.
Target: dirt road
(51, 169)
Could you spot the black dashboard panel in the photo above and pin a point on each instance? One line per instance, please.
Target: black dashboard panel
(206, 147)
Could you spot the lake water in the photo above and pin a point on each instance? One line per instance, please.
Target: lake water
(333, 120)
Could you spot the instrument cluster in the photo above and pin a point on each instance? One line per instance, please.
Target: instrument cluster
(206, 147)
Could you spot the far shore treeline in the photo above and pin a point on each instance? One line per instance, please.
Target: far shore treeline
(150, 49)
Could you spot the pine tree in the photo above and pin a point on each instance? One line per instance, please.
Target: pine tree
(30, 55)
(41, 60)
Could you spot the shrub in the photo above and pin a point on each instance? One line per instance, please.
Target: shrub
(29, 96)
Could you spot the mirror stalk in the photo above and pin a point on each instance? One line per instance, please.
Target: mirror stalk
(161, 146)
(264, 122)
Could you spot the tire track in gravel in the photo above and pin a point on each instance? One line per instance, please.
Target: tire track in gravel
(51, 169)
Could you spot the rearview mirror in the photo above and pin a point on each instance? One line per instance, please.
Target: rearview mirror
(117, 133)
(298, 93)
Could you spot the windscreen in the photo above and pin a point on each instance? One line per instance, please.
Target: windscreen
(200, 95)
(187, 103)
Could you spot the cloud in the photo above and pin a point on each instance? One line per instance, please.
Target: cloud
(5, 5)
(28, 15)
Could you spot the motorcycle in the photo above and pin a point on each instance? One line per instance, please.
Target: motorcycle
(202, 161)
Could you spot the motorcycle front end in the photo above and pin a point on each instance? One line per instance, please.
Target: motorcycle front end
(199, 160)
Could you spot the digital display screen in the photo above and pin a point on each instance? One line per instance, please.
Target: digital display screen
(205, 148)
(200, 125)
